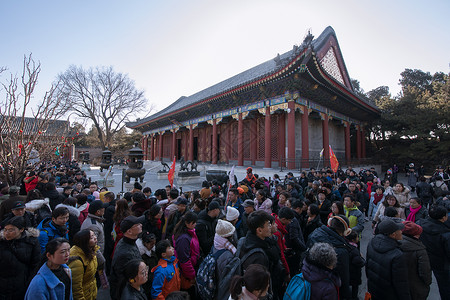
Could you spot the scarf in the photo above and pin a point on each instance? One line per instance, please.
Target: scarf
(377, 198)
(223, 243)
(412, 215)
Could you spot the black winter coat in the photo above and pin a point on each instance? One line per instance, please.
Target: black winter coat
(386, 269)
(125, 251)
(205, 230)
(149, 225)
(311, 226)
(419, 269)
(19, 260)
(325, 234)
(54, 197)
(436, 238)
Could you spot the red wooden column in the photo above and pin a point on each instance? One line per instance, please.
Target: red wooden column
(160, 146)
(228, 146)
(267, 139)
(214, 143)
(363, 143)
(326, 140)
(282, 136)
(291, 134)
(152, 147)
(240, 141)
(347, 141)
(358, 141)
(174, 143)
(253, 139)
(305, 137)
(146, 148)
(191, 143)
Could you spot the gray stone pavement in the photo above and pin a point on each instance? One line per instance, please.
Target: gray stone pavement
(151, 180)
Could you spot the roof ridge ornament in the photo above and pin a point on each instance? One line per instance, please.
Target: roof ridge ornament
(277, 59)
(307, 40)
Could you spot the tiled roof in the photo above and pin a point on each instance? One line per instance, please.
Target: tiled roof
(31, 125)
(238, 80)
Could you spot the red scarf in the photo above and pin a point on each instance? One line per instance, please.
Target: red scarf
(412, 215)
(377, 198)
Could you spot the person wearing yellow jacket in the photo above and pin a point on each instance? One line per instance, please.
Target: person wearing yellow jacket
(354, 215)
(83, 263)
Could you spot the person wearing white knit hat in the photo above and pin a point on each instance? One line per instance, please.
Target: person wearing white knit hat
(223, 240)
(232, 215)
(224, 228)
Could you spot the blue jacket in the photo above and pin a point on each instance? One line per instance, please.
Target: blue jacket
(45, 285)
(166, 278)
(48, 232)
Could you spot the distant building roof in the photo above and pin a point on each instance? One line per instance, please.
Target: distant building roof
(262, 71)
(31, 126)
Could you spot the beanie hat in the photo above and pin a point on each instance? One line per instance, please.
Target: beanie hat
(388, 227)
(232, 213)
(224, 228)
(16, 221)
(412, 229)
(129, 222)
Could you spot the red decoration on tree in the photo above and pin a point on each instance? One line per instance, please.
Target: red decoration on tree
(39, 132)
(77, 133)
(20, 149)
(29, 143)
(20, 130)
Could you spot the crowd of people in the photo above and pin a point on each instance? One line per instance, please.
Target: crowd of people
(64, 237)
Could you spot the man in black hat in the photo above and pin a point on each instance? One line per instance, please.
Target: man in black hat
(125, 251)
(386, 269)
(18, 210)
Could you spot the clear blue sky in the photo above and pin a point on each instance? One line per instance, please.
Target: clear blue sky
(174, 48)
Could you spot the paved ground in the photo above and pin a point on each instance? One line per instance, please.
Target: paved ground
(151, 180)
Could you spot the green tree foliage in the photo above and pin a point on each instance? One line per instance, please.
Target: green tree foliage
(414, 125)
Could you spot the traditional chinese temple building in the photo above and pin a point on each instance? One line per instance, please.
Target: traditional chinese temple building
(283, 111)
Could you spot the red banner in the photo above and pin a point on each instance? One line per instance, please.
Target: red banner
(333, 161)
(171, 174)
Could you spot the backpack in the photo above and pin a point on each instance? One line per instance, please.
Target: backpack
(298, 289)
(438, 191)
(206, 276)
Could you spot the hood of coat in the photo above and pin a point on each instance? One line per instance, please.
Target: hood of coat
(383, 244)
(28, 232)
(410, 244)
(36, 204)
(83, 207)
(72, 210)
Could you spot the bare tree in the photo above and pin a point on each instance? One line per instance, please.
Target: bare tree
(100, 95)
(24, 128)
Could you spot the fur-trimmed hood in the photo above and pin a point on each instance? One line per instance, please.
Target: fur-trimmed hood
(72, 210)
(36, 204)
(28, 232)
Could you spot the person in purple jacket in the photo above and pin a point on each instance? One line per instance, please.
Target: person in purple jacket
(318, 270)
(187, 248)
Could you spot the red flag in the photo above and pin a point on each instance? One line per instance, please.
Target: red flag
(333, 161)
(171, 174)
